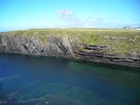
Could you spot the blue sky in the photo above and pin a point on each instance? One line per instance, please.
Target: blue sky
(22, 14)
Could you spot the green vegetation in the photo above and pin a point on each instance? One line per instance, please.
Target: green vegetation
(120, 41)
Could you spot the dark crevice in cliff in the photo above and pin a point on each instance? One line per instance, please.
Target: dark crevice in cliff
(25, 47)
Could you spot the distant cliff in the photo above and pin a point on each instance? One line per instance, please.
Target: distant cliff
(71, 44)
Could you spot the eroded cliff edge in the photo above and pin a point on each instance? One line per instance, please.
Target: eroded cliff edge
(72, 46)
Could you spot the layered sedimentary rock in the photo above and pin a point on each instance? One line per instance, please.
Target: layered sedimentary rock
(96, 53)
(65, 46)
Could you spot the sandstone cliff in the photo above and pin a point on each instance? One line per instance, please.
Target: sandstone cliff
(67, 46)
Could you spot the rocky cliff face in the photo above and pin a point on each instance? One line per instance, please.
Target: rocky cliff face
(65, 47)
(55, 46)
(96, 53)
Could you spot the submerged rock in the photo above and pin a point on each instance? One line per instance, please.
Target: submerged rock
(51, 99)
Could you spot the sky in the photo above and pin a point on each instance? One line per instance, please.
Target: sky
(22, 14)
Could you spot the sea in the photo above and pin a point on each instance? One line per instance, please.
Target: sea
(32, 80)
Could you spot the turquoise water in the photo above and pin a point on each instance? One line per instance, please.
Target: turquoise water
(28, 80)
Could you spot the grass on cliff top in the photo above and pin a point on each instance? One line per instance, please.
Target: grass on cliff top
(120, 41)
(70, 31)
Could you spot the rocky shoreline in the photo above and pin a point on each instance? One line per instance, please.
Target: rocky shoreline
(95, 53)
(65, 47)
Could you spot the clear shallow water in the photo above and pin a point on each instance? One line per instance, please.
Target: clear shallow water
(26, 80)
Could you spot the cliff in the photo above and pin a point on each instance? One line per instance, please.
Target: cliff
(108, 46)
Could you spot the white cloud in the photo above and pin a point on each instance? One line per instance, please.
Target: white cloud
(76, 22)
(89, 23)
(65, 13)
(99, 20)
(72, 20)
